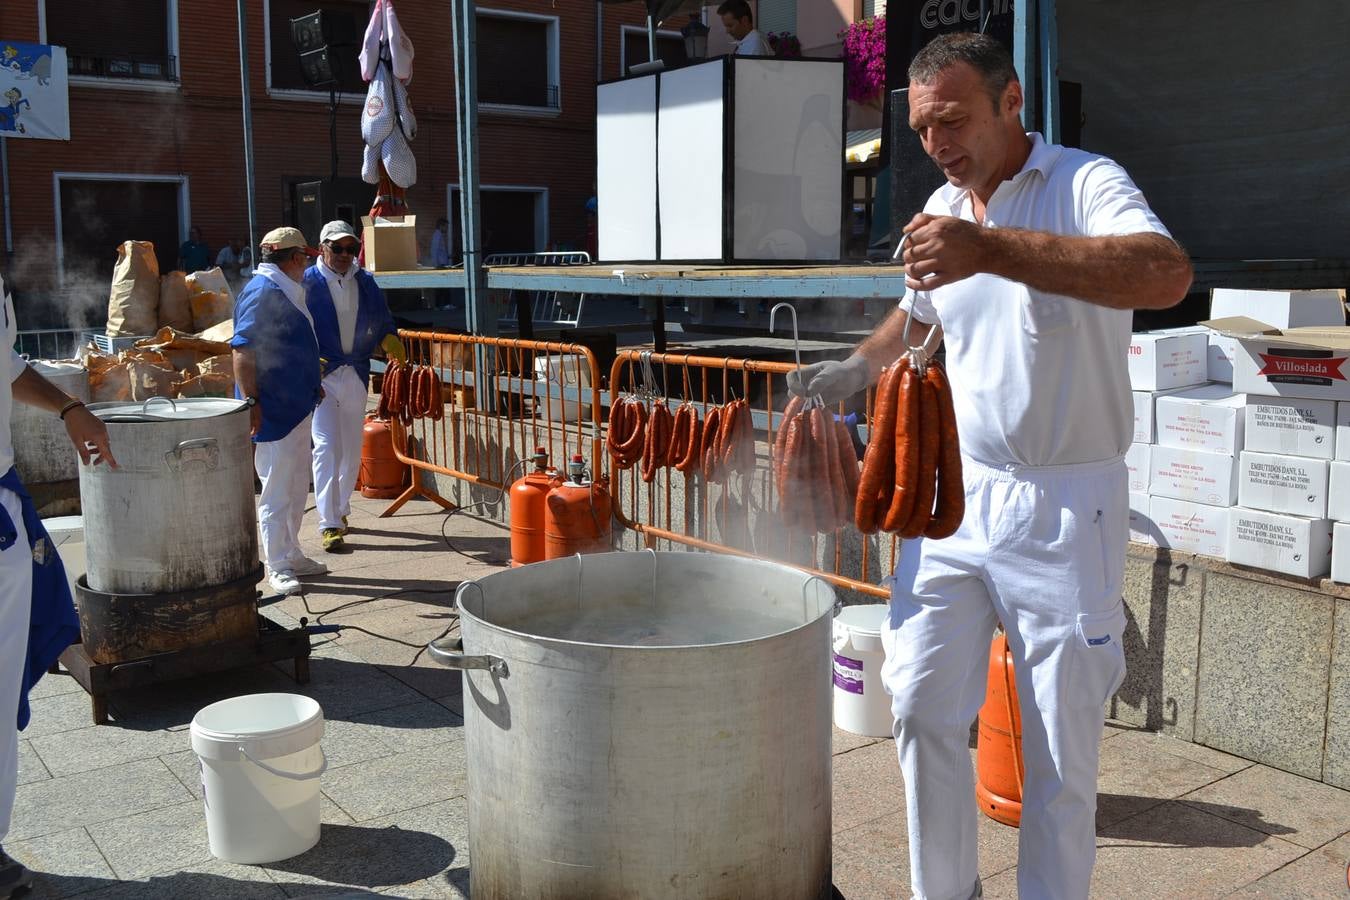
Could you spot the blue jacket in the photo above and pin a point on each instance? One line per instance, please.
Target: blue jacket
(373, 322)
(285, 353)
(53, 625)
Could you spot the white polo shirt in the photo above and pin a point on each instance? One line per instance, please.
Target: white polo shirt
(1040, 379)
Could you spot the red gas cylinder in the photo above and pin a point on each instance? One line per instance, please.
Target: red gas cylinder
(382, 475)
(577, 515)
(998, 786)
(527, 510)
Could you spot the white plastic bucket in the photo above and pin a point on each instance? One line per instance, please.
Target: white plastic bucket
(861, 704)
(261, 762)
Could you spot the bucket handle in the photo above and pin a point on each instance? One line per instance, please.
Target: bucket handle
(291, 776)
(834, 610)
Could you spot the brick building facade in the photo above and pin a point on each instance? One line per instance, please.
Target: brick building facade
(156, 128)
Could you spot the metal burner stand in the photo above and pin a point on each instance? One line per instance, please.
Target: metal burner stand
(273, 643)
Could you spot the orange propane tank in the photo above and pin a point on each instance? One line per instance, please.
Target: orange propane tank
(998, 787)
(382, 475)
(527, 510)
(577, 515)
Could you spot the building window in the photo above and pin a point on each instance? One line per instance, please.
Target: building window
(781, 15)
(116, 39)
(634, 50)
(346, 22)
(518, 60)
(98, 212)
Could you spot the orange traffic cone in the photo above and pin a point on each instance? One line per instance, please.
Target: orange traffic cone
(998, 787)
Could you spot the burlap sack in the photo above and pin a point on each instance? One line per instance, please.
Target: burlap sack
(210, 299)
(174, 309)
(133, 301)
(183, 351)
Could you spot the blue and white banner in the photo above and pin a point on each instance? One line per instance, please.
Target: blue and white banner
(34, 93)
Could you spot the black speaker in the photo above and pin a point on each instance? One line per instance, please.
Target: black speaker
(317, 68)
(315, 37)
(309, 210)
(914, 176)
(307, 32)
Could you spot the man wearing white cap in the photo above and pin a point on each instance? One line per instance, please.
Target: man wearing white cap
(276, 369)
(351, 321)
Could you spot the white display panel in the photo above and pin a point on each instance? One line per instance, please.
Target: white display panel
(626, 169)
(788, 167)
(690, 153)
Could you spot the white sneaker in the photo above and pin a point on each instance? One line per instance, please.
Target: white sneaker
(303, 566)
(284, 583)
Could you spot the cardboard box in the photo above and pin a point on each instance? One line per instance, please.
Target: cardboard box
(1190, 527)
(1297, 362)
(1340, 553)
(1220, 360)
(1145, 403)
(1137, 460)
(1338, 492)
(1197, 475)
(1202, 418)
(1292, 427)
(1287, 544)
(1142, 530)
(1285, 484)
(1160, 360)
(1283, 309)
(390, 244)
(1343, 430)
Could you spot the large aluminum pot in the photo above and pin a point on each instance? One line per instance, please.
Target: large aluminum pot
(42, 450)
(651, 725)
(178, 514)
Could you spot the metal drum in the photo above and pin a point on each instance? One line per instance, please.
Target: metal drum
(651, 725)
(42, 450)
(178, 514)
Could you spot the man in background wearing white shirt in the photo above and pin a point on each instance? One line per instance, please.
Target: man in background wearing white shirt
(740, 24)
(351, 321)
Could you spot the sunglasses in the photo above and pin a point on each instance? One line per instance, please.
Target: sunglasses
(344, 249)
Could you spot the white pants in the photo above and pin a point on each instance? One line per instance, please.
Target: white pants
(16, 585)
(283, 466)
(1043, 551)
(338, 428)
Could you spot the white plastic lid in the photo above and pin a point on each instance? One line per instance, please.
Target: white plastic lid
(269, 725)
(866, 618)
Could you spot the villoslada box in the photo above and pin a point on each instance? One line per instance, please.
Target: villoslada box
(1197, 475)
(1220, 362)
(1191, 527)
(1283, 309)
(1288, 544)
(1292, 426)
(1295, 485)
(1312, 363)
(1161, 360)
(1201, 418)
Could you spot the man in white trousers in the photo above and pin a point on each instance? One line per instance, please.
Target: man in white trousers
(351, 321)
(276, 369)
(1030, 260)
(34, 594)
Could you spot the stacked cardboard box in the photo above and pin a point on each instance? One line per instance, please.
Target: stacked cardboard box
(1252, 470)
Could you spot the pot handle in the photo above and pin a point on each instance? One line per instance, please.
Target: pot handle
(446, 651)
(145, 407)
(205, 451)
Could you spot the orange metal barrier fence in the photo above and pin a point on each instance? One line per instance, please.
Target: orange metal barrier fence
(739, 516)
(503, 397)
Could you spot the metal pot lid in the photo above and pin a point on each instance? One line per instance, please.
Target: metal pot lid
(51, 367)
(162, 409)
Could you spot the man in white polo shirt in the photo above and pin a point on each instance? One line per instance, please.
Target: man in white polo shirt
(1030, 260)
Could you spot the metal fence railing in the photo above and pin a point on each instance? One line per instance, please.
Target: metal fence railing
(502, 398)
(49, 343)
(740, 515)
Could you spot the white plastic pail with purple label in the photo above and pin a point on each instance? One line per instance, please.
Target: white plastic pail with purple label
(861, 704)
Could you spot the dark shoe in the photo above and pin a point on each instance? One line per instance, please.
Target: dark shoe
(332, 540)
(15, 878)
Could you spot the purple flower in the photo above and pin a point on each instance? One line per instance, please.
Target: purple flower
(864, 56)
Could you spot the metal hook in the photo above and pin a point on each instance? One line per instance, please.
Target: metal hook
(796, 340)
(482, 597)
